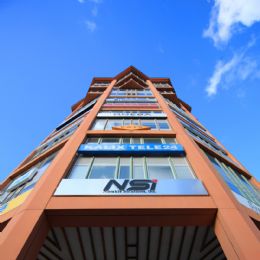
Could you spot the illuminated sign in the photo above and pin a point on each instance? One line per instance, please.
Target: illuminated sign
(135, 149)
(130, 187)
(131, 114)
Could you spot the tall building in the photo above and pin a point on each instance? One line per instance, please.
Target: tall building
(130, 174)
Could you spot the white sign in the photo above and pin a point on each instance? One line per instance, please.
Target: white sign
(131, 114)
(130, 187)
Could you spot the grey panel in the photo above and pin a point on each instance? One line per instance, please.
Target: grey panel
(120, 243)
(199, 236)
(143, 242)
(86, 241)
(73, 239)
(48, 254)
(187, 243)
(123, 243)
(154, 242)
(131, 235)
(65, 254)
(165, 243)
(176, 242)
(109, 242)
(98, 243)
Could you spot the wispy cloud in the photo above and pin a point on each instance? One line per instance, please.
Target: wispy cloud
(228, 15)
(91, 25)
(94, 4)
(221, 69)
(239, 68)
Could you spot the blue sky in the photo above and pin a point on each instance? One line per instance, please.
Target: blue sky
(50, 50)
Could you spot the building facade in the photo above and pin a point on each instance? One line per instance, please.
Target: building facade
(130, 174)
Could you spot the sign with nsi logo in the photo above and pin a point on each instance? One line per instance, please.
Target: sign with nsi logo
(130, 187)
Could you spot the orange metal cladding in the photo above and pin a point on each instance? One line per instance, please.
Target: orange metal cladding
(29, 223)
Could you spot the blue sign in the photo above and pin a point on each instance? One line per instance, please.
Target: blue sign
(132, 149)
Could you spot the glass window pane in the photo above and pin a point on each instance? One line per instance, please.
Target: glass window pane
(110, 140)
(152, 140)
(170, 140)
(126, 140)
(183, 172)
(127, 122)
(179, 160)
(79, 172)
(138, 168)
(103, 168)
(159, 168)
(80, 168)
(99, 124)
(92, 140)
(112, 123)
(124, 168)
(149, 123)
(136, 141)
(135, 122)
(163, 125)
(41, 171)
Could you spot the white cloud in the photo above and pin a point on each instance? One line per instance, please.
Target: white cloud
(227, 15)
(81, 1)
(221, 69)
(92, 26)
(239, 68)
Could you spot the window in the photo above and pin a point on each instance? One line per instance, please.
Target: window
(152, 140)
(138, 168)
(130, 92)
(84, 110)
(182, 169)
(131, 100)
(169, 140)
(163, 125)
(103, 168)
(236, 181)
(80, 169)
(131, 140)
(126, 140)
(99, 124)
(131, 114)
(93, 140)
(159, 168)
(131, 167)
(124, 168)
(108, 124)
(57, 138)
(112, 123)
(25, 181)
(149, 123)
(110, 140)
